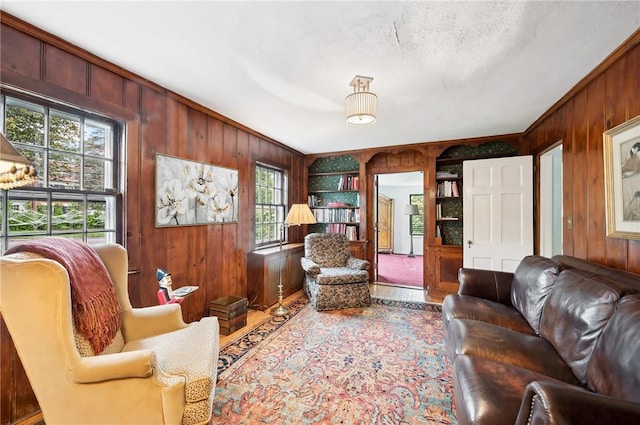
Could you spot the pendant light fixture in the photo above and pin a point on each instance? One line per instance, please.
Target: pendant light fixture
(361, 104)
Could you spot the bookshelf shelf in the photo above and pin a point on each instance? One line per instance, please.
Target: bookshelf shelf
(334, 195)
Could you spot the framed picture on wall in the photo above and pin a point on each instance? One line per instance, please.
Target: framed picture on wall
(622, 179)
(191, 193)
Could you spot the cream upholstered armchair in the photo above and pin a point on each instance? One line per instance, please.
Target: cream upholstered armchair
(156, 370)
(333, 278)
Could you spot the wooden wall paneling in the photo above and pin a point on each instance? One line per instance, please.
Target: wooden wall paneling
(18, 399)
(193, 136)
(153, 241)
(633, 82)
(105, 85)
(535, 138)
(20, 53)
(131, 96)
(579, 172)
(7, 351)
(558, 126)
(633, 99)
(65, 70)
(567, 179)
(215, 145)
(365, 234)
(214, 277)
(244, 229)
(594, 178)
(614, 112)
(176, 240)
(245, 200)
(234, 261)
(132, 207)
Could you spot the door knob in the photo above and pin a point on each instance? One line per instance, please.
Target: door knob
(469, 243)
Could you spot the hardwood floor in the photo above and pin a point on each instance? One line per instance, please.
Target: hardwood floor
(383, 291)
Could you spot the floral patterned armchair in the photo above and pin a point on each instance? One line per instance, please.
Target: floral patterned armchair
(333, 278)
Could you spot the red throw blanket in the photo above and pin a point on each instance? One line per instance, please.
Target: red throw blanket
(96, 312)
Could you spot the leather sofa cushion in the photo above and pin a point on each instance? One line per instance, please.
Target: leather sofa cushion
(627, 282)
(532, 281)
(469, 307)
(576, 311)
(489, 392)
(470, 337)
(614, 368)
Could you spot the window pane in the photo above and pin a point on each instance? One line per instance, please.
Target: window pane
(64, 171)
(67, 213)
(27, 213)
(25, 123)
(96, 138)
(269, 204)
(94, 174)
(64, 132)
(73, 152)
(96, 215)
(106, 205)
(36, 156)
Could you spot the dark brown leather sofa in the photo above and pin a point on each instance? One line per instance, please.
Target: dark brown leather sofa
(555, 342)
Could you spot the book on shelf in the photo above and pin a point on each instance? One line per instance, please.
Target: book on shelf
(337, 215)
(348, 182)
(447, 189)
(314, 201)
(352, 233)
(446, 175)
(454, 189)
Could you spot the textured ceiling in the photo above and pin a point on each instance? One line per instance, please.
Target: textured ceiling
(442, 70)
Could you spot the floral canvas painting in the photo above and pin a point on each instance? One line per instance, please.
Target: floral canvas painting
(191, 193)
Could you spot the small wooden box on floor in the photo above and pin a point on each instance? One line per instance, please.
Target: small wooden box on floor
(231, 313)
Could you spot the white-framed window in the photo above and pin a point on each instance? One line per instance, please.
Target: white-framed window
(76, 155)
(270, 204)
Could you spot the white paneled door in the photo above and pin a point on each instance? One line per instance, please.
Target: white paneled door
(498, 212)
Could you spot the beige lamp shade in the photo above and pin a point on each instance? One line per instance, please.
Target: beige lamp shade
(299, 214)
(411, 210)
(15, 169)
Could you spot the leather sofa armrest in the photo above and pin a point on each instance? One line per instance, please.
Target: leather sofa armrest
(129, 364)
(139, 323)
(309, 266)
(357, 263)
(559, 403)
(487, 284)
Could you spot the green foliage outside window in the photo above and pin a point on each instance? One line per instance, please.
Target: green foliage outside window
(270, 203)
(417, 221)
(74, 155)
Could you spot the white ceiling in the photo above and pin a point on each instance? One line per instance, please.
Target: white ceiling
(442, 70)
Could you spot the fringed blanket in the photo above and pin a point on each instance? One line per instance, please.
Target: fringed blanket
(96, 312)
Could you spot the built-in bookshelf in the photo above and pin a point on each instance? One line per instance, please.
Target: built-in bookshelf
(448, 214)
(334, 195)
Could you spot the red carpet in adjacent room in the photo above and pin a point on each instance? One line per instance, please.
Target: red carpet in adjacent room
(400, 269)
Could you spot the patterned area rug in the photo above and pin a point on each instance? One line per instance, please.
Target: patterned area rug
(378, 365)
